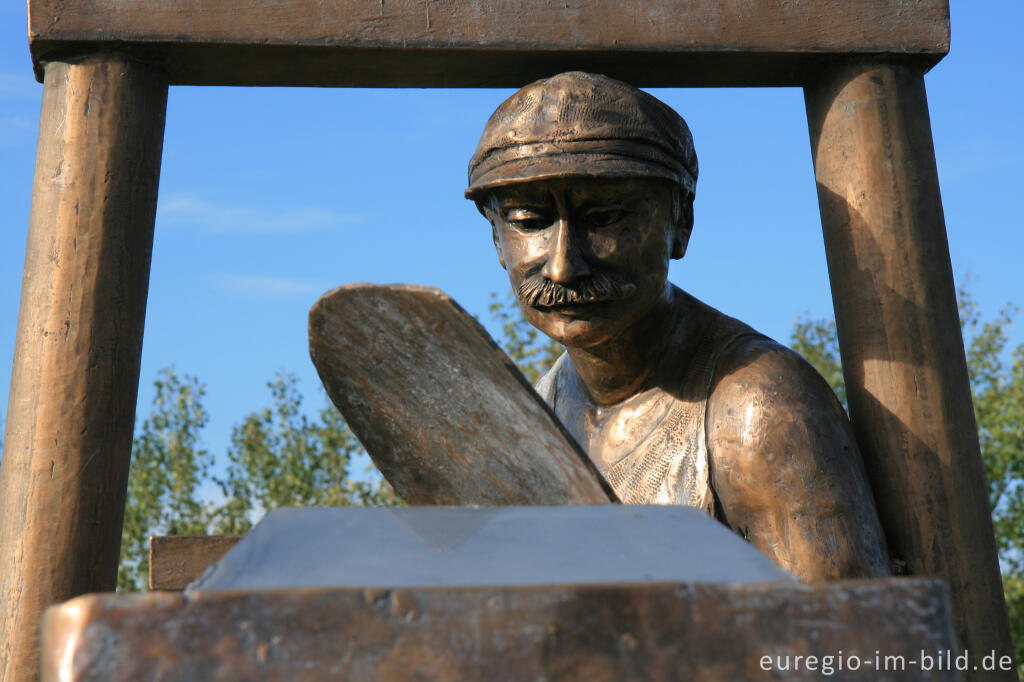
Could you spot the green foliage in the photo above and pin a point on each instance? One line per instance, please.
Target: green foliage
(816, 340)
(1013, 587)
(997, 385)
(280, 458)
(168, 468)
(533, 352)
(277, 457)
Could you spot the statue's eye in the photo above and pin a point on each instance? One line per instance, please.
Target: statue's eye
(526, 219)
(604, 217)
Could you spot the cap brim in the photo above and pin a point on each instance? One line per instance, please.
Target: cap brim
(568, 165)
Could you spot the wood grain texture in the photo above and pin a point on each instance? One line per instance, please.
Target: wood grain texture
(616, 633)
(443, 412)
(490, 43)
(76, 359)
(177, 560)
(899, 334)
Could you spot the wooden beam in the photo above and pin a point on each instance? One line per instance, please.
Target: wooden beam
(76, 360)
(500, 43)
(177, 560)
(899, 334)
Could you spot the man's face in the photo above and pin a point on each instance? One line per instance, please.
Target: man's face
(587, 258)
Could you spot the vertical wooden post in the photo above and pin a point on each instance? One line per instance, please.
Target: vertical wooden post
(899, 335)
(76, 363)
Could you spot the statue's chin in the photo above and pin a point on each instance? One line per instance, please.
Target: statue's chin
(573, 328)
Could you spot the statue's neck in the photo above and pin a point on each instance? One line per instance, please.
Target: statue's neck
(622, 367)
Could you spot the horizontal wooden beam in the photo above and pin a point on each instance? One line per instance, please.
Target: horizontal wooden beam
(177, 560)
(492, 43)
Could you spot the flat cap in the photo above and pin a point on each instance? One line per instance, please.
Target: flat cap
(578, 124)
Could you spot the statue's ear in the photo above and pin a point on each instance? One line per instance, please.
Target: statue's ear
(682, 215)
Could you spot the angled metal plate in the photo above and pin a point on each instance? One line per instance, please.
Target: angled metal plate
(396, 547)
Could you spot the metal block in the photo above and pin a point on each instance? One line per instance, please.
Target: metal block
(698, 633)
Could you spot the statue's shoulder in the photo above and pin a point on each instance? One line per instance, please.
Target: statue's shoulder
(765, 399)
(784, 464)
(755, 368)
(745, 362)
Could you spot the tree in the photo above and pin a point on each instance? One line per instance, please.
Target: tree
(277, 457)
(997, 383)
(997, 386)
(168, 467)
(280, 458)
(816, 340)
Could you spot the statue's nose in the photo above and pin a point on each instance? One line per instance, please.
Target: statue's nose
(565, 263)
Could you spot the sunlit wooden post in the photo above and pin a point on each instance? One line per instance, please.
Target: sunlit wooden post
(899, 335)
(76, 366)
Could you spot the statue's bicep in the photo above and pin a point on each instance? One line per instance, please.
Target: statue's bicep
(786, 470)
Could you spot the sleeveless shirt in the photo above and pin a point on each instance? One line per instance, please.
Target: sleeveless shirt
(663, 452)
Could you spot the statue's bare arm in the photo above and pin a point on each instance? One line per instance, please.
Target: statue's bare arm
(785, 468)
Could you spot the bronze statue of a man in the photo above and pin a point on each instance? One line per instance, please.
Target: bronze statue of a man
(588, 184)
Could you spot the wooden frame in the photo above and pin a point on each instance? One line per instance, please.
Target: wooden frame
(106, 66)
(498, 43)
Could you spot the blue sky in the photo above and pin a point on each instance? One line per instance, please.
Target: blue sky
(269, 197)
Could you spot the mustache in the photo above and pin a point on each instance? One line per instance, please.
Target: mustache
(598, 287)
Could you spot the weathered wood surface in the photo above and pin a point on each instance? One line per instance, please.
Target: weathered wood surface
(503, 43)
(177, 560)
(899, 334)
(443, 412)
(76, 359)
(586, 634)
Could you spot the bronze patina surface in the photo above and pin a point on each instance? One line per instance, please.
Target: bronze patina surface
(588, 185)
(613, 633)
